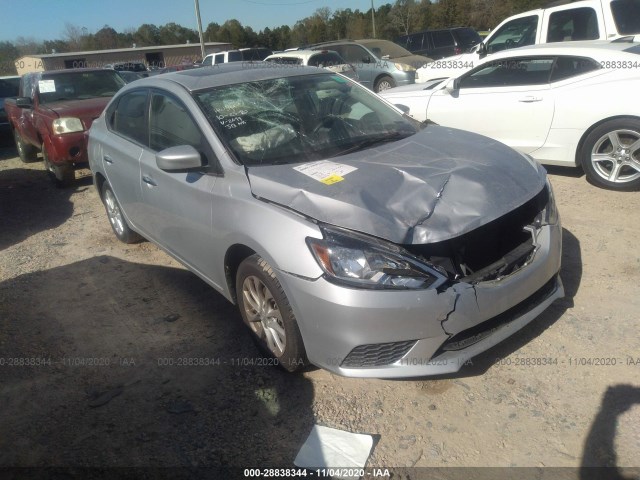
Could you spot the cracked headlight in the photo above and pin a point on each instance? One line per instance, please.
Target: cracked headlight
(67, 125)
(360, 261)
(549, 215)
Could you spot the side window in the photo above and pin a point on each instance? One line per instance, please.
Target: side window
(324, 60)
(219, 58)
(567, 67)
(170, 125)
(415, 41)
(510, 72)
(129, 118)
(234, 57)
(442, 39)
(574, 24)
(355, 54)
(207, 61)
(516, 33)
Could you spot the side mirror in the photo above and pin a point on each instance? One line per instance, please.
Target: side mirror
(366, 59)
(452, 85)
(24, 102)
(182, 157)
(482, 50)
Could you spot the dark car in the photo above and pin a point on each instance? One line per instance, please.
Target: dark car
(438, 44)
(9, 87)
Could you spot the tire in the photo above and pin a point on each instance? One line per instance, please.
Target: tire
(607, 158)
(384, 83)
(27, 153)
(121, 229)
(62, 176)
(267, 314)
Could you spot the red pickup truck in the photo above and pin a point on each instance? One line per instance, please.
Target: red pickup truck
(53, 112)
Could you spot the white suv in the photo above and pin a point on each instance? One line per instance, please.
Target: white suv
(315, 58)
(242, 54)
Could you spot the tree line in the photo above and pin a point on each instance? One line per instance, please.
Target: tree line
(391, 21)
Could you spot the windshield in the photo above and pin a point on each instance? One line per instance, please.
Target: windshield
(383, 48)
(626, 14)
(76, 85)
(300, 118)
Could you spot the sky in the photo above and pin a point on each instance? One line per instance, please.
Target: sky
(45, 19)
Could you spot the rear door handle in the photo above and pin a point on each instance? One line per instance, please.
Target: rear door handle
(149, 181)
(107, 159)
(530, 99)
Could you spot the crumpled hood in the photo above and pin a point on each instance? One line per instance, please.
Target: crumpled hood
(430, 187)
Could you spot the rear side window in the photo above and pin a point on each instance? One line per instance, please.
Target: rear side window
(329, 59)
(234, 57)
(572, 25)
(129, 118)
(219, 58)
(626, 14)
(567, 67)
(442, 39)
(285, 60)
(9, 87)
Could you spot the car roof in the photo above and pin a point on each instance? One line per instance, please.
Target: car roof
(227, 74)
(593, 48)
(304, 54)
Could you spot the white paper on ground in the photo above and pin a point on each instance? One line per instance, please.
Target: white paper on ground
(330, 448)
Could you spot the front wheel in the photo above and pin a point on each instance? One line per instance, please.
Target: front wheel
(27, 153)
(266, 311)
(610, 155)
(63, 175)
(123, 232)
(384, 83)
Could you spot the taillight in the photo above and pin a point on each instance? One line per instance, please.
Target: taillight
(457, 50)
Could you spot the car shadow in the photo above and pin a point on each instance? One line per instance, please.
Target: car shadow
(574, 172)
(599, 459)
(30, 203)
(140, 366)
(571, 275)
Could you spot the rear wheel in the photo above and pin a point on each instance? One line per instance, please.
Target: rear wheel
(27, 153)
(611, 155)
(61, 175)
(123, 232)
(266, 311)
(384, 83)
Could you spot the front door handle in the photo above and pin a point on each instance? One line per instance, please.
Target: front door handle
(530, 99)
(149, 181)
(108, 159)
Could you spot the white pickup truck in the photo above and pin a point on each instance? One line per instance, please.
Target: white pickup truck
(561, 21)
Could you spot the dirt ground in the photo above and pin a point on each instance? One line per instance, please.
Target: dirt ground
(96, 339)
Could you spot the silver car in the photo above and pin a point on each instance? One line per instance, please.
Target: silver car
(349, 235)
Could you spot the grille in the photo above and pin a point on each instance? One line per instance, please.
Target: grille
(377, 354)
(475, 334)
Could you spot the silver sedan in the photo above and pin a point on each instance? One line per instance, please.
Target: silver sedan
(349, 235)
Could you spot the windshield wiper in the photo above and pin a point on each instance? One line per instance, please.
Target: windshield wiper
(372, 141)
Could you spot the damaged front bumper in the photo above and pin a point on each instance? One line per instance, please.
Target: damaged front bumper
(390, 334)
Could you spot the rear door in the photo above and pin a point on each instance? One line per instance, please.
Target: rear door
(122, 148)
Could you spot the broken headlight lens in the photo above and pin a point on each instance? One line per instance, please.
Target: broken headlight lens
(549, 215)
(364, 262)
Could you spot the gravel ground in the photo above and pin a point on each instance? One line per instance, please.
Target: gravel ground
(97, 340)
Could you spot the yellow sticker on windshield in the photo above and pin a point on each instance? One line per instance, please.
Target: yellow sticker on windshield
(331, 179)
